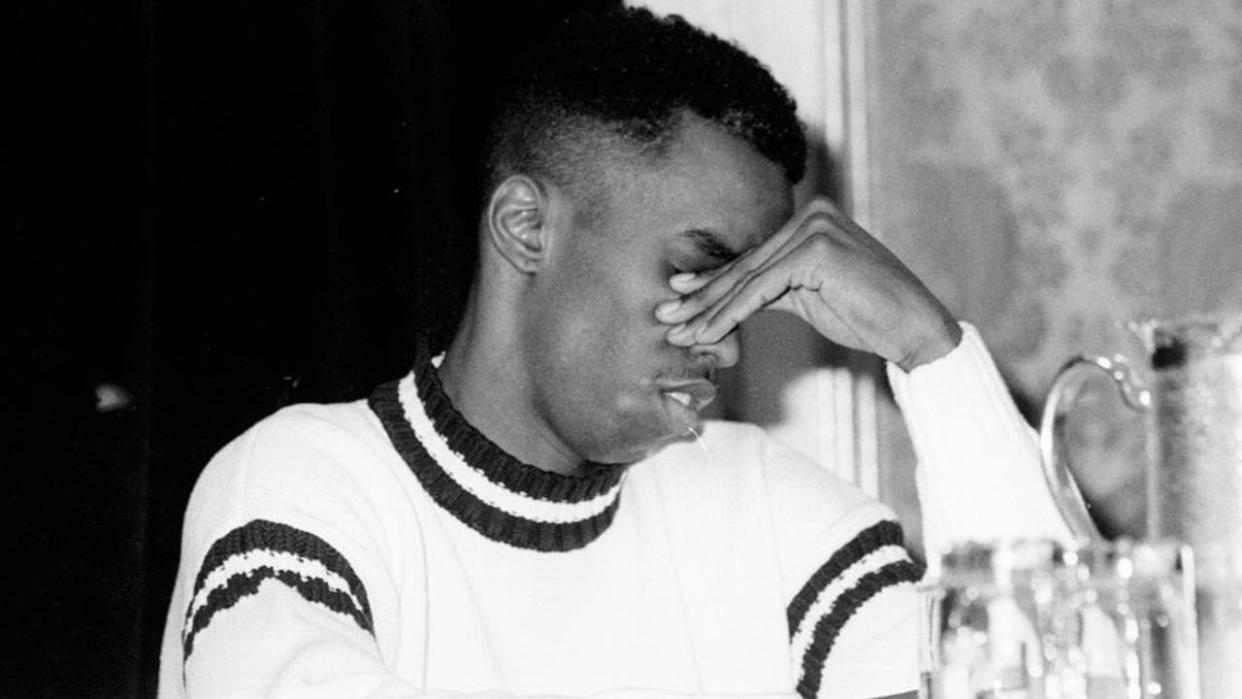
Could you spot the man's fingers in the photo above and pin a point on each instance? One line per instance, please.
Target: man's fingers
(830, 272)
(742, 300)
(690, 282)
(702, 291)
(699, 292)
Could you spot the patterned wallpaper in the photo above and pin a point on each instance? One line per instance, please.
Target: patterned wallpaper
(1053, 169)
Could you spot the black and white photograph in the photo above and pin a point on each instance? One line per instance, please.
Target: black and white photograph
(604, 349)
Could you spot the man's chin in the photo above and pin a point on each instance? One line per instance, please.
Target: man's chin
(648, 421)
(636, 452)
(690, 434)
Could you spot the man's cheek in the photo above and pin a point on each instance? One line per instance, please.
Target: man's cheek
(588, 345)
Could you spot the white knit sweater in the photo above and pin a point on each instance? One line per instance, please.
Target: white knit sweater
(385, 548)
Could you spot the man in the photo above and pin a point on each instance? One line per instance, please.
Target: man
(529, 512)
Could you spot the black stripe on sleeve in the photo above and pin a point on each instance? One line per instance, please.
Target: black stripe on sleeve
(829, 626)
(873, 538)
(273, 537)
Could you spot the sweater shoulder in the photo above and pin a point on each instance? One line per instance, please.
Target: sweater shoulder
(746, 454)
(299, 436)
(309, 464)
(734, 462)
(741, 476)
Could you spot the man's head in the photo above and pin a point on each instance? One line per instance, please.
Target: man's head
(630, 148)
(617, 83)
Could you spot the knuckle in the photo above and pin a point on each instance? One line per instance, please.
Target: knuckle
(820, 222)
(825, 207)
(819, 245)
(821, 203)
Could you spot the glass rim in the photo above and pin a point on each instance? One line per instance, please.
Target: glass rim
(1005, 562)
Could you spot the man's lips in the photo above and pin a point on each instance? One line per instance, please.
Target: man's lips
(694, 395)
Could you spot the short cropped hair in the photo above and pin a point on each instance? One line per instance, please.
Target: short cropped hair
(624, 78)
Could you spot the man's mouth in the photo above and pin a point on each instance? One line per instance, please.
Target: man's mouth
(684, 398)
(692, 395)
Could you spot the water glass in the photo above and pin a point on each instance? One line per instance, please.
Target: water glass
(1039, 620)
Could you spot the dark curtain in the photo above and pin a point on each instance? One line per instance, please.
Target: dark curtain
(218, 210)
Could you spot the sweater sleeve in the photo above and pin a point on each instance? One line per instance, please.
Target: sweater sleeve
(853, 627)
(278, 608)
(849, 584)
(283, 583)
(979, 474)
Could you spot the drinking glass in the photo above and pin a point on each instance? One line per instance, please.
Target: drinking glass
(1039, 620)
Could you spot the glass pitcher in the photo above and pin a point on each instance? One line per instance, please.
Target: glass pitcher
(1191, 403)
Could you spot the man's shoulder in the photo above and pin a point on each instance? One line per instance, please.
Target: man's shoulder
(314, 427)
(740, 476)
(305, 449)
(316, 416)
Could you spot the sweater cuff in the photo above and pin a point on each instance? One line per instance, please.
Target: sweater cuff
(979, 473)
(962, 391)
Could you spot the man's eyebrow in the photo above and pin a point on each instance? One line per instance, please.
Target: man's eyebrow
(711, 244)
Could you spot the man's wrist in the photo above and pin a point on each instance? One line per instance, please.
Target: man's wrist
(934, 346)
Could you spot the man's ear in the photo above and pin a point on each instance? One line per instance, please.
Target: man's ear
(517, 222)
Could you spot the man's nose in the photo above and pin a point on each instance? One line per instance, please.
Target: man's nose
(724, 353)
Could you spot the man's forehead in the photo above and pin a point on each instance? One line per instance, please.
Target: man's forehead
(727, 196)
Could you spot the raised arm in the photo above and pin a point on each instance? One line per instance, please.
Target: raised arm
(979, 472)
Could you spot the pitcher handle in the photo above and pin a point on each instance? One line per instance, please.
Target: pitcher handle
(1052, 445)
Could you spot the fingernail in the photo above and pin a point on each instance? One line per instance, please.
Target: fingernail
(677, 329)
(681, 278)
(668, 307)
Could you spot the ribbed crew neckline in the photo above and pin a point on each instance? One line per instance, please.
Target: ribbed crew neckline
(482, 485)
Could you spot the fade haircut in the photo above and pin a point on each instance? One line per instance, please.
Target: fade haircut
(619, 83)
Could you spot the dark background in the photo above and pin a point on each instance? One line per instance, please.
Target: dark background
(218, 209)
